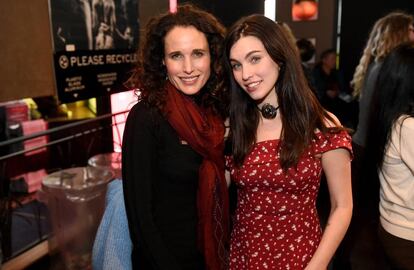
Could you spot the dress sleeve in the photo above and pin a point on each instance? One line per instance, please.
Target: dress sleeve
(138, 170)
(332, 141)
(228, 162)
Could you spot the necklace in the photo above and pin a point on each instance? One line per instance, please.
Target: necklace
(269, 111)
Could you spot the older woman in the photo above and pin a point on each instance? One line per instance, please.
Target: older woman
(173, 169)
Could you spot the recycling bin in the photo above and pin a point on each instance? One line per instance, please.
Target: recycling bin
(75, 198)
(108, 161)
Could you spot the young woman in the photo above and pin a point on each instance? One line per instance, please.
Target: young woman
(173, 165)
(391, 148)
(387, 33)
(281, 140)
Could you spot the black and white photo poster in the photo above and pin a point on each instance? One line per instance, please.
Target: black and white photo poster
(95, 44)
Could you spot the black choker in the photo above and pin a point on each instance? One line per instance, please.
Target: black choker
(268, 111)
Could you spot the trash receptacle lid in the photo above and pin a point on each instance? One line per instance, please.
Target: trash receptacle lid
(107, 160)
(78, 178)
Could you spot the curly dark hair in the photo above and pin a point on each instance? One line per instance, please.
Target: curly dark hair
(150, 73)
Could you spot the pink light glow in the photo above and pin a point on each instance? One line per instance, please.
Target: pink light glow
(173, 6)
(120, 102)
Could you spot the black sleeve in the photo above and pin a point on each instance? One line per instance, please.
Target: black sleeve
(138, 170)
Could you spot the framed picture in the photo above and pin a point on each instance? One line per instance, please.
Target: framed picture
(305, 10)
(95, 44)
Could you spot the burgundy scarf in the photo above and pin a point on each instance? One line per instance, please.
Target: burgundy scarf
(204, 132)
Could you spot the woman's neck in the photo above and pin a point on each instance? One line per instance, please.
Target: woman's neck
(271, 99)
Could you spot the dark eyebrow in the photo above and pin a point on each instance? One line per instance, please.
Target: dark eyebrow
(179, 52)
(200, 50)
(172, 53)
(247, 55)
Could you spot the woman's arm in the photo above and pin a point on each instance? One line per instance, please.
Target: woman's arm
(337, 167)
(407, 143)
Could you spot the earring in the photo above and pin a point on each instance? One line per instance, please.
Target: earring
(280, 66)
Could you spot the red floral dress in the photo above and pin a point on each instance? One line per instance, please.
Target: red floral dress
(276, 224)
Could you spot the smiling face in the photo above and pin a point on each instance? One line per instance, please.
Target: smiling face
(254, 70)
(187, 59)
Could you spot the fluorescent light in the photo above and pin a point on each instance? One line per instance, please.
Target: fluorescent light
(270, 9)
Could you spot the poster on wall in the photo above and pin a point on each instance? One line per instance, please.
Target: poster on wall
(95, 44)
(305, 10)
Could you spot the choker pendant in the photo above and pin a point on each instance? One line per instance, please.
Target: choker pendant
(269, 111)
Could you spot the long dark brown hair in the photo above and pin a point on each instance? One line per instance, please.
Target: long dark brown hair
(393, 98)
(150, 74)
(301, 112)
(392, 104)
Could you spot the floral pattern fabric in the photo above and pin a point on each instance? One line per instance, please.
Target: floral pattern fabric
(276, 224)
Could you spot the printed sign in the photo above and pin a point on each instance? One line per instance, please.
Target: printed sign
(95, 44)
(85, 74)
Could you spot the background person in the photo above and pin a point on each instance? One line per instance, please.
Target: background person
(387, 33)
(331, 89)
(391, 148)
(307, 53)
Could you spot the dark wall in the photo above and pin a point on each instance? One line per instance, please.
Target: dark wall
(26, 66)
(229, 11)
(357, 19)
(323, 29)
(148, 9)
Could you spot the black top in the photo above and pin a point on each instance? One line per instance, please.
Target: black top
(324, 82)
(365, 101)
(160, 179)
(333, 81)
